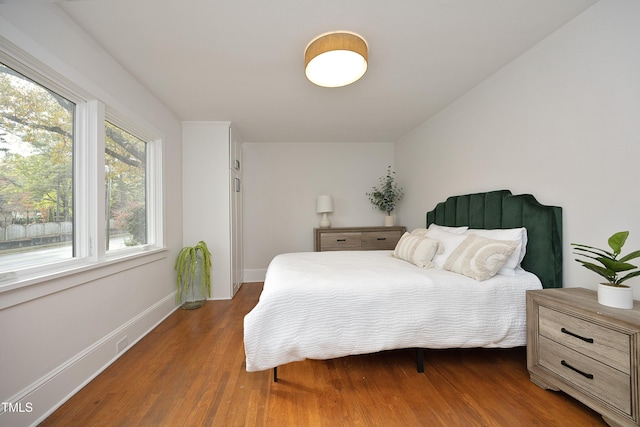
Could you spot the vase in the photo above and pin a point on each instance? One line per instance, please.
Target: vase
(388, 220)
(193, 296)
(615, 296)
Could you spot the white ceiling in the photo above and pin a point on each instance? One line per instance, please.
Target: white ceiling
(242, 60)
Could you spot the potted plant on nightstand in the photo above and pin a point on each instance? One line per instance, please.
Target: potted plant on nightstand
(612, 293)
(193, 265)
(386, 196)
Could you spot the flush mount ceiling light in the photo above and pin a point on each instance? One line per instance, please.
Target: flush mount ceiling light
(336, 59)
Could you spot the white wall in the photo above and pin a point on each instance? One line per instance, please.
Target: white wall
(51, 345)
(281, 183)
(561, 122)
(206, 197)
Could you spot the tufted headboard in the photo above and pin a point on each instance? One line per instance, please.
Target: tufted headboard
(501, 209)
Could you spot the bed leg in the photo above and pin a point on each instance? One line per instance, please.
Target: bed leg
(420, 362)
(275, 374)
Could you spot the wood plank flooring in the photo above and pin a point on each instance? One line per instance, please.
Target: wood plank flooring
(190, 371)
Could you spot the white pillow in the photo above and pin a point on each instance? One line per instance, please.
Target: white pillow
(512, 266)
(416, 250)
(449, 242)
(479, 257)
(454, 230)
(419, 232)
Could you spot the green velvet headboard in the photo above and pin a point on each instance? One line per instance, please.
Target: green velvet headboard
(501, 209)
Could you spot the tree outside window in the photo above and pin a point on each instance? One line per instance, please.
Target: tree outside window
(125, 180)
(36, 171)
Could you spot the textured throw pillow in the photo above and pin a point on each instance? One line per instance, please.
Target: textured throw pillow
(512, 266)
(416, 250)
(449, 242)
(479, 257)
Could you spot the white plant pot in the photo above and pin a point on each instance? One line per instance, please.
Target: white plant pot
(388, 220)
(613, 296)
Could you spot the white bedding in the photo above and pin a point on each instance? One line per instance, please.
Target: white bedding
(323, 305)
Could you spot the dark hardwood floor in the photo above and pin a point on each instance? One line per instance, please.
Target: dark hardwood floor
(190, 371)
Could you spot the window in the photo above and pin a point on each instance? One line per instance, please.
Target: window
(80, 182)
(125, 165)
(36, 170)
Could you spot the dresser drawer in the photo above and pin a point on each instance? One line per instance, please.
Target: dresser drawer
(381, 240)
(340, 241)
(597, 379)
(598, 342)
(356, 238)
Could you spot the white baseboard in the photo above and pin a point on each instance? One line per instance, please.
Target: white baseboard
(254, 275)
(40, 399)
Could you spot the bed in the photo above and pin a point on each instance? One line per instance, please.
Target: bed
(324, 305)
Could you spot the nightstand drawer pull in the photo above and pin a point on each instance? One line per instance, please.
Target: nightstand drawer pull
(584, 374)
(341, 240)
(381, 238)
(589, 340)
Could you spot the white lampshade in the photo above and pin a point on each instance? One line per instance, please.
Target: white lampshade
(324, 204)
(336, 59)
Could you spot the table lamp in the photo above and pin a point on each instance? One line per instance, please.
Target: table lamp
(324, 204)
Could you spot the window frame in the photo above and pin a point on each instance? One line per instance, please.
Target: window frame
(90, 260)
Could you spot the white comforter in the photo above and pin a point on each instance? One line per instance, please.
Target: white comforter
(322, 305)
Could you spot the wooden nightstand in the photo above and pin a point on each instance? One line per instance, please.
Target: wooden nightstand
(356, 238)
(587, 350)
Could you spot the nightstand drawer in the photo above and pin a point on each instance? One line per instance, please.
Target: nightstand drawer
(380, 240)
(597, 379)
(340, 241)
(602, 374)
(600, 343)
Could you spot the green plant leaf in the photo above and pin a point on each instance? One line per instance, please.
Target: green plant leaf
(629, 276)
(630, 256)
(616, 241)
(591, 249)
(616, 266)
(604, 272)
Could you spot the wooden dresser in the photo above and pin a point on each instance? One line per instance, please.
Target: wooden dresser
(587, 350)
(356, 238)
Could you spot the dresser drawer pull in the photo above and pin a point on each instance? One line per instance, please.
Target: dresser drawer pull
(341, 240)
(382, 238)
(584, 374)
(589, 340)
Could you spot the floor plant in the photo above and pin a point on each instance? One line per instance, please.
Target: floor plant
(193, 280)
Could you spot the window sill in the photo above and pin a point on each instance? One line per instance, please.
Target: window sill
(17, 290)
